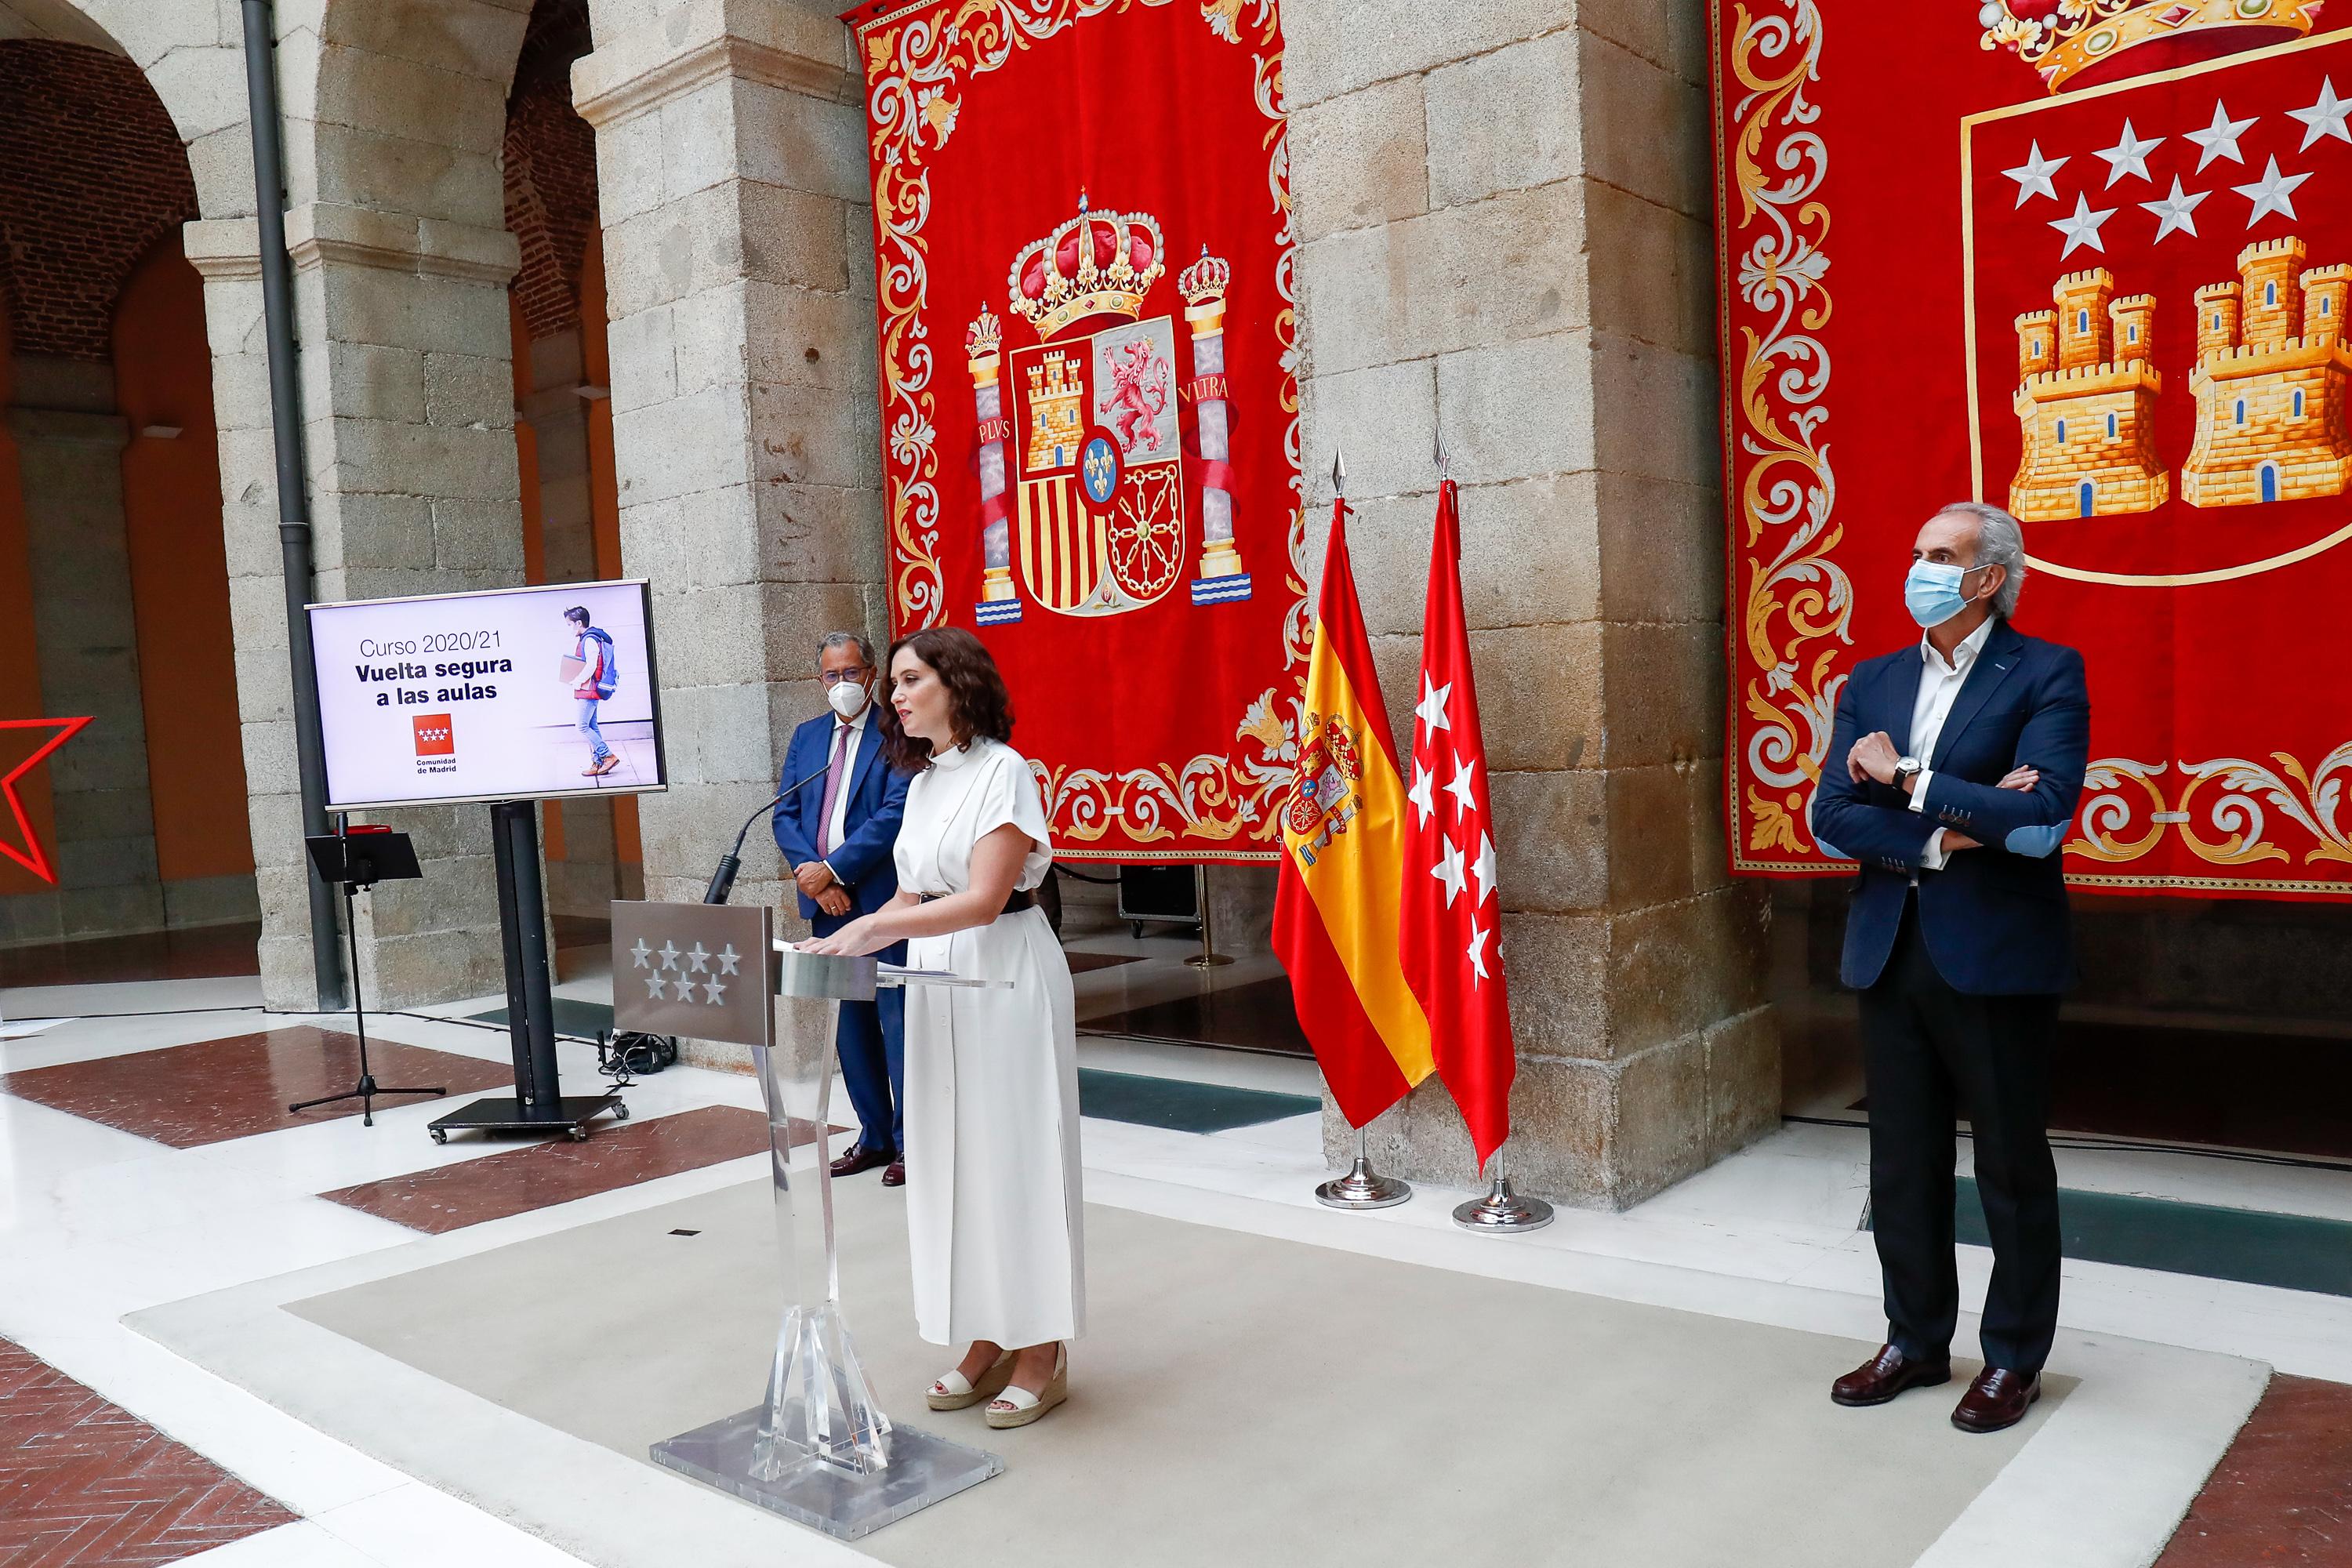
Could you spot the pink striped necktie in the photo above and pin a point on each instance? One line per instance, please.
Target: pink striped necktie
(832, 776)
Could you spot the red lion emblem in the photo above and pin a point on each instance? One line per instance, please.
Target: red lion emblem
(1137, 391)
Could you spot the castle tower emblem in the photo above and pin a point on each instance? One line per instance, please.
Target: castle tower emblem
(2271, 382)
(2085, 404)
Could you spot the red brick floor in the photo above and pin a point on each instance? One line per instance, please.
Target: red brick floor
(84, 1482)
(233, 1088)
(538, 1176)
(2283, 1494)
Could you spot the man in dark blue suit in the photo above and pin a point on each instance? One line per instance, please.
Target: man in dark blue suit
(836, 834)
(1952, 774)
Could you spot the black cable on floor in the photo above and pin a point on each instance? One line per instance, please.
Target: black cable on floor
(2129, 1146)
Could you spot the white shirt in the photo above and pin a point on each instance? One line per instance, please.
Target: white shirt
(837, 827)
(1939, 688)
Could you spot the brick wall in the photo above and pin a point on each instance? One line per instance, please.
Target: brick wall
(91, 174)
(550, 168)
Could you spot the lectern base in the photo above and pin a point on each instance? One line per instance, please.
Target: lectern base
(923, 1470)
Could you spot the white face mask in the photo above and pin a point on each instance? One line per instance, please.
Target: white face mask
(848, 699)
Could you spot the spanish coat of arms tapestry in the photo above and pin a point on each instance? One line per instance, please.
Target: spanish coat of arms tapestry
(1090, 397)
(2087, 260)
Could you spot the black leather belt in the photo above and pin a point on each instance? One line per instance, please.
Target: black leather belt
(1020, 899)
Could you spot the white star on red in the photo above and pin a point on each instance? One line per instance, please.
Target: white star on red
(2032, 176)
(1478, 936)
(1448, 870)
(1420, 794)
(1463, 772)
(2128, 156)
(2274, 192)
(2082, 227)
(2326, 118)
(1483, 869)
(2219, 139)
(1432, 709)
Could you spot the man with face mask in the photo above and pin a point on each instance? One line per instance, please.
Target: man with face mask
(835, 835)
(1953, 771)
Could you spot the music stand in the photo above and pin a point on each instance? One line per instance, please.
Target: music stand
(357, 859)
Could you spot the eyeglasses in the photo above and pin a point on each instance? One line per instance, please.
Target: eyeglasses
(835, 676)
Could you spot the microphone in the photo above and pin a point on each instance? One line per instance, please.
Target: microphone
(722, 880)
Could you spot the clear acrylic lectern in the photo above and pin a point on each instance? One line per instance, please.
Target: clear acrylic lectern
(819, 1449)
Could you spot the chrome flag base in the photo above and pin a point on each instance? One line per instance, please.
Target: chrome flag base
(1363, 1187)
(1502, 1212)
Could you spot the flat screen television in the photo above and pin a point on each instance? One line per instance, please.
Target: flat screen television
(498, 695)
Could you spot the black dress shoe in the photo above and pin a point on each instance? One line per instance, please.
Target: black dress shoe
(1886, 1375)
(895, 1176)
(1997, 1399)
(860, 1158)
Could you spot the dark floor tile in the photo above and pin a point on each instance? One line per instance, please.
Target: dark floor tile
(2284, 1092)
(2287, 1251)
(580, 1020)
(233, 1087)
(1082, 962)
(516, 1180)
(200, 953)
(86, 1482)
(1181, 1104)
(2282, 1496)
(1260, 1016)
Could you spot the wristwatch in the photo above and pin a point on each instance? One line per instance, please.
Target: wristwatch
(1907, 769)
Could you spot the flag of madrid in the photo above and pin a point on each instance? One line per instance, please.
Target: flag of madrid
(1448, 929)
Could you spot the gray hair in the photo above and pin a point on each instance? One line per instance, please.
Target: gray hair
(847, 639)
(2001, 541)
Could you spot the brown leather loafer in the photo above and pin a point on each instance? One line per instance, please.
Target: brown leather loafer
(895, 1176)
(1998, 1398)
(1886, 1375)
(860, 1158)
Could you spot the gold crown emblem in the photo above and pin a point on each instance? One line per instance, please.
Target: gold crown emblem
(984, 336)
(1205, 280)
(1094, 264)
(2081, 42)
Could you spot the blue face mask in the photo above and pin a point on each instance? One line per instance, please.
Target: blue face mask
(1932, 592)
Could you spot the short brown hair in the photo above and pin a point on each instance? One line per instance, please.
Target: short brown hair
(978, 703)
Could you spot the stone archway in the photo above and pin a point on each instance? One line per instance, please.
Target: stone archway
(116, 597)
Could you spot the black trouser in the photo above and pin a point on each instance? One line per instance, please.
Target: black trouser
(1928, 1049)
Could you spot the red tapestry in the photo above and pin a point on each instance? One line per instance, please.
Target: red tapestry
(1089, 394)
(2087, 260)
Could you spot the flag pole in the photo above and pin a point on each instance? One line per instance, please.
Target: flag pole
(1502, 1212)
(1208, 957)
(1363, 1187)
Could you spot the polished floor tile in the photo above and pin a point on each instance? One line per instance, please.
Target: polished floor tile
(538, 1176)
(197, 953)
(1259, 1015)
(2283, 1494)
(217, 1090)
(85, 1482)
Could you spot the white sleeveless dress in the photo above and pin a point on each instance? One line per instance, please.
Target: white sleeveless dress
(991, 1078)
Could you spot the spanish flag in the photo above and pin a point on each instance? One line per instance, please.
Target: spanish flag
(1336, 907)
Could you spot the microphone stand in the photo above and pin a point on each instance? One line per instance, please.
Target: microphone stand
(722, 880)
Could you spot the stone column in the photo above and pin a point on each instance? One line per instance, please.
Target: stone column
(731, 174)
(1504, 216)
(408, 407)
(69, 443)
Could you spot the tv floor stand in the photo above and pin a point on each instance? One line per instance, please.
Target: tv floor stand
(539, 1103)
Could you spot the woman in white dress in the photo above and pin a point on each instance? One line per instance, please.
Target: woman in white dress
(991, 1081)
